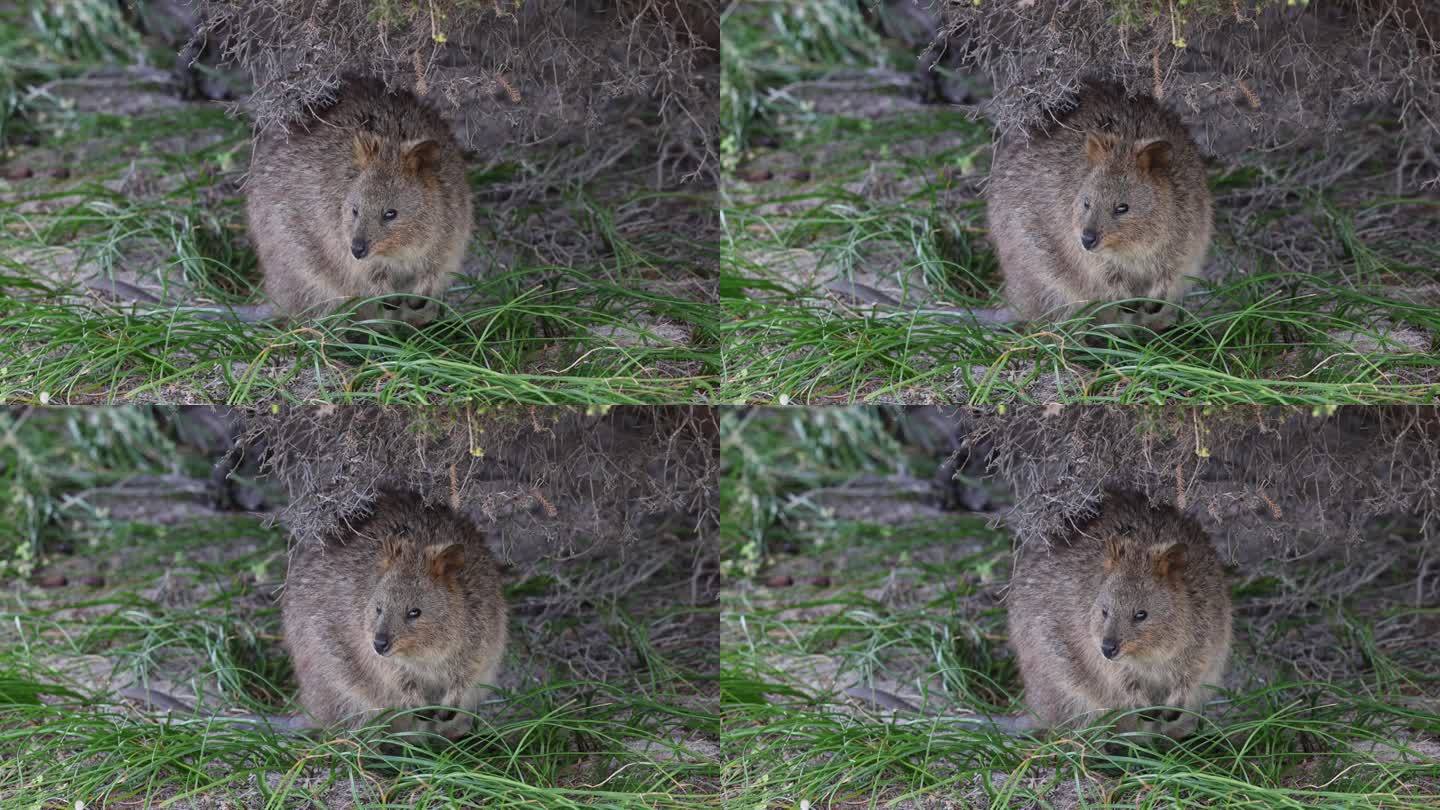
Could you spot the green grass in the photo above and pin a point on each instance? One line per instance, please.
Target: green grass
(152, 195)
(47, 456)
(894, 191)
(59, 352)
(514, 764)
(1291, 743)
(192, 602)
(41, 41)
(770, 461)
(769, 43)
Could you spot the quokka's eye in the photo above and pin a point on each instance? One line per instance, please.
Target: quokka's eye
(1104, 613)
(390, 214)
(1121, 208)
(1087, 205)
(413, 614)
(354, 212)
(377, 610)
(1140, 615)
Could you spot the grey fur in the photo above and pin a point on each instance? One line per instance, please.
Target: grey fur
(1131, 557)
(341, 595)
(1036, 206)
(370, 152)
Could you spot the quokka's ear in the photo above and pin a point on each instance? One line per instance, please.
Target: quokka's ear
(1115, 551)
(392, 547)
(420, 156)
(365, 148)
(1169, 561)
(1152, 156)
(1098, 146)
(445, 561)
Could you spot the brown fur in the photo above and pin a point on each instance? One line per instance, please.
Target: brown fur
(371, 151)
(405, 556)
(1109, 150)
(1131, 557)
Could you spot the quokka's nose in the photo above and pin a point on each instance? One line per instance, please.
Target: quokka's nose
(382, 644)
(1108, 647)
(358, 248)
(1089, 238)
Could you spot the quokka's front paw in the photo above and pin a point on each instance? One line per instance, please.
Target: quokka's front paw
(436, 715)
(413, 310)
(420, 311)
(452, 725)
(1156, 316)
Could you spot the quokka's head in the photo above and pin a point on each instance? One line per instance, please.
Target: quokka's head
(1140, 609)
(1124, 200)
(389, 210)
(417, 603)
